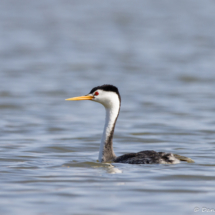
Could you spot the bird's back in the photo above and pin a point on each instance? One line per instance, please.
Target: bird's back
(149, 157)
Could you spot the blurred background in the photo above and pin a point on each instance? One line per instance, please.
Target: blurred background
(161, 56)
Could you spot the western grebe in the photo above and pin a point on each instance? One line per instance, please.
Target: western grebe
(109, 97)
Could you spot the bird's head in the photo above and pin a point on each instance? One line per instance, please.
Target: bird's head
(107, 95)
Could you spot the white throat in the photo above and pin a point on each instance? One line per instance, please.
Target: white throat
(106, 152)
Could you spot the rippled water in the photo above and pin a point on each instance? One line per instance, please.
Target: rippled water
(160, 54)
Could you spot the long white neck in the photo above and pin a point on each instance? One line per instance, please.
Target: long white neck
(106, 152)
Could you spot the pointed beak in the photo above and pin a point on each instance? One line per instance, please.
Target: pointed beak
(87, 97)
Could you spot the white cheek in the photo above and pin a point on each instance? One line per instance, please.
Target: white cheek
(107, 99)
(95, 99)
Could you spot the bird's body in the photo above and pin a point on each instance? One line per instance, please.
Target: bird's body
(109, 97)
(147, 157)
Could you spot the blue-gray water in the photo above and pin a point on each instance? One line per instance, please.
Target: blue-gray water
(161, 56)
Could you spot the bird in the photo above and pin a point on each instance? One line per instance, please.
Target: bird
(109, 96)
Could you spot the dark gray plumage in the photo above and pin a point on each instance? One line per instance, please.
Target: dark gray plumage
(150, 157)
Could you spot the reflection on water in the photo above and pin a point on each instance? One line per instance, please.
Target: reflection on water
(109, 167)
(161, 57)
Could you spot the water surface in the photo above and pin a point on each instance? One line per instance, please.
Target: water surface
(159, 54)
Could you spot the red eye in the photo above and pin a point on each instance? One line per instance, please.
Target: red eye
(96, 93)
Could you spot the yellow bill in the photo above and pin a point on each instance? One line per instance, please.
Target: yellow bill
(80, 98)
